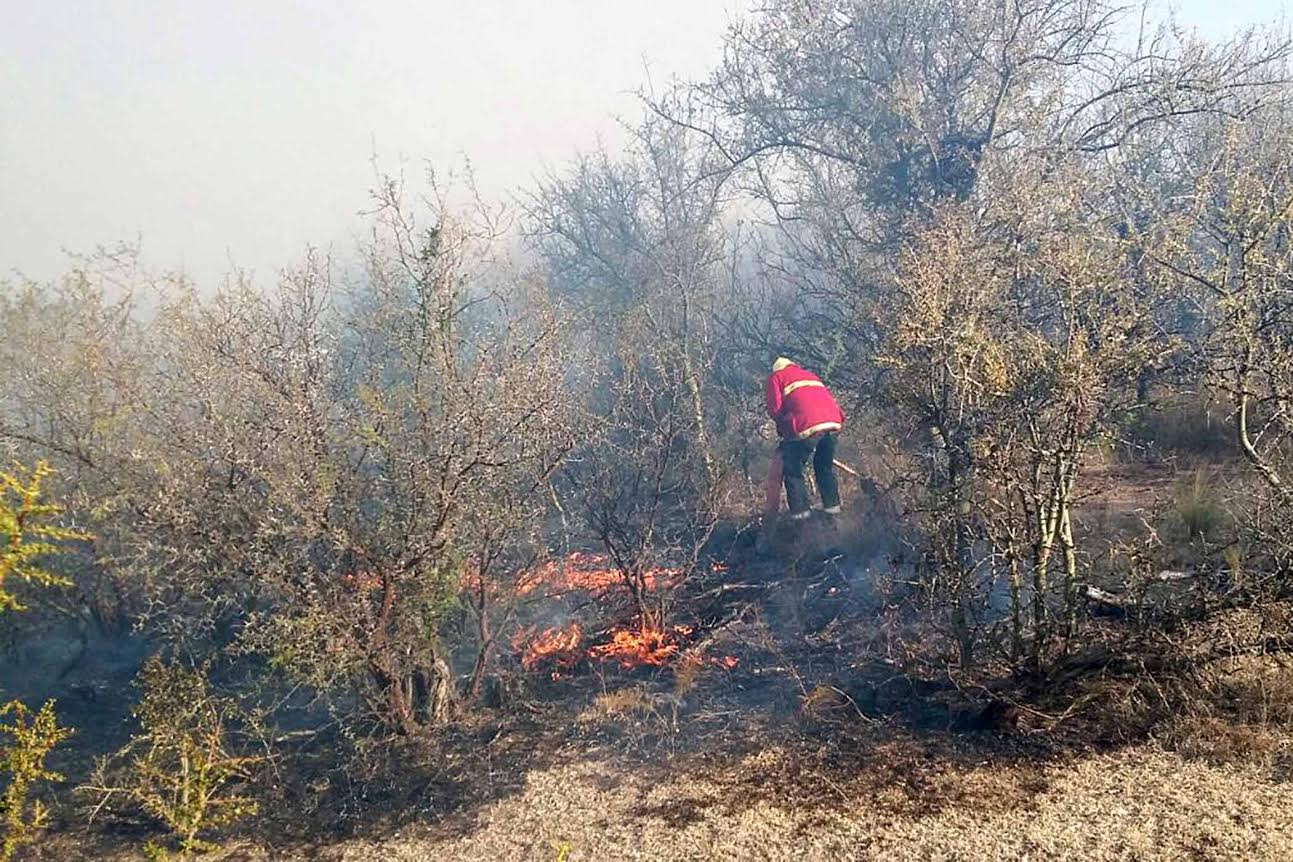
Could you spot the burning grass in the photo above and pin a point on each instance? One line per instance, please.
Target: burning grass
(557, 646)
(587, 572)
(560, 648)
(646, 645)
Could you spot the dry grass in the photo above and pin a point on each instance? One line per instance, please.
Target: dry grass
(821, 783)
(1216, 784)
(1219, 742)
(1244, 717)
(775, 767)
(624, 703)
(1137, 804)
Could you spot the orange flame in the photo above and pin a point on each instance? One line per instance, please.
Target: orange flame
(651, 646)
(586, 572)
(596, 573)
(579, 571)
(560, 645)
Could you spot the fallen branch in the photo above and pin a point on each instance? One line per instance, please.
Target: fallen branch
(727, 588)
(1168, 575)
(1104, 597)
(1076, 706)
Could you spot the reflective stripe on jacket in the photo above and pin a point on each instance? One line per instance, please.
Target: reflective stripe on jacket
(800, 404)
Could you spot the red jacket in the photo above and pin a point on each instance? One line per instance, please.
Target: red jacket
(801, 404)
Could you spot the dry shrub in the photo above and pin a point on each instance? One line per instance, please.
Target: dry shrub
(1184, 424)
(638, 703)
(1219, 688)
(1218, 741)
(1264, 698)
(820, 698)
(1240, 712)
(686, 673)
(826, 703)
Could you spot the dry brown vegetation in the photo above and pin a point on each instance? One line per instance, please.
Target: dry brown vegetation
(471, 528)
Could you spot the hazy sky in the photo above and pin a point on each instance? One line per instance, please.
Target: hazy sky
(239, 131)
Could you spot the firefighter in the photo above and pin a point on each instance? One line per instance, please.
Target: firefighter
(808, 420)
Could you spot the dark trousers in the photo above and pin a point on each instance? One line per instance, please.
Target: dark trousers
(794, 457)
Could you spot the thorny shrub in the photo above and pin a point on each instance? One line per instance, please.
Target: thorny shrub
(183, 767)
(25, 536)
(308, 473)
(314, 470)
(26, 532)
(1239, 714)
(25, 741)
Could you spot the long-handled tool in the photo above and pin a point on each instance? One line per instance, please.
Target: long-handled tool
(847, 469)
(772, 486)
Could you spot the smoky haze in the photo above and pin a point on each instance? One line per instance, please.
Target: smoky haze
(234, 134)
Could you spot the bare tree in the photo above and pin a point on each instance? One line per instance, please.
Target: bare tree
(1227, 247)
(317, 468)
(637, 250)
(959, 195)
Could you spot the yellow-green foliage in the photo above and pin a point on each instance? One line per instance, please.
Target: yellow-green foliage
(25, 532)
(25, 535)
(27, 740)
(180, 768)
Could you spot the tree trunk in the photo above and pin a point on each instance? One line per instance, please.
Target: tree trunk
(395, 697)
(440, 700)
(485, 635)
(698, 417)
(959, 467)
(1045, 524)
(1016, 602)
(1070, 568)
(1269, 473)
